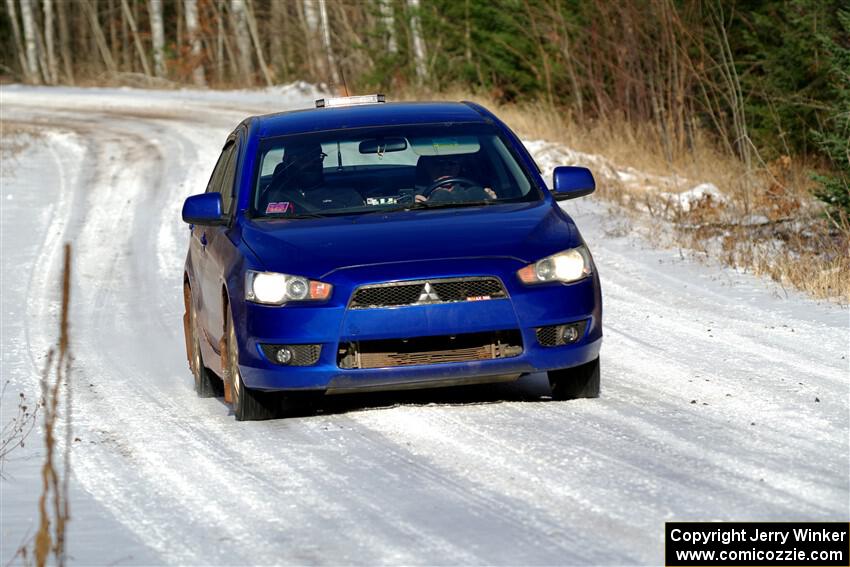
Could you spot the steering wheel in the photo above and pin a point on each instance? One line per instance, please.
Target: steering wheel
(464, 181)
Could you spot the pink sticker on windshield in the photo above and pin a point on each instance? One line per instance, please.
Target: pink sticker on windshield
(282, 207)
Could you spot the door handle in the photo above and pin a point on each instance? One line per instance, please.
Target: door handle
(203, 239)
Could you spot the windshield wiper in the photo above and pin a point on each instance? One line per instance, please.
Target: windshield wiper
(426, 205)
(449, 204)
(285, 216)
(379, 210)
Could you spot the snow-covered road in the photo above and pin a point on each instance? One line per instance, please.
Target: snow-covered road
(723, 398)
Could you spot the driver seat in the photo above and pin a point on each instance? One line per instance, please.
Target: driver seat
(425, 164)
(468, 169)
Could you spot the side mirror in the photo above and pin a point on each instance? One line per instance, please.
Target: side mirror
(203, 209)
(569, 182)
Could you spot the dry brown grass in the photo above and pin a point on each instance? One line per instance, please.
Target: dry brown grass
(768, 224)
(16, 431)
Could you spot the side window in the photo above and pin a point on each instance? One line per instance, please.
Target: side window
(224, 175)
(227, 179)
(215, 178)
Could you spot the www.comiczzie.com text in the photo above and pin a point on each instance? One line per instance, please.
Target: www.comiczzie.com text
(768, 543)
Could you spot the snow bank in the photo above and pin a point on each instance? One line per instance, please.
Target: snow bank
(702, 193)
(289, 96)
(677, 191)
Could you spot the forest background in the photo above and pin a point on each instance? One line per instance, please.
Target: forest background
(752, 96)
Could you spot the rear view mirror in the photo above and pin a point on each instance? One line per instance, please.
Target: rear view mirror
(203, 209)
(569, 182)
(382, 145)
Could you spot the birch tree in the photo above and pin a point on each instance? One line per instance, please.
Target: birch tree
(190, 10)
(40, 49)
(157, 37)
(134, 31)
(99, 38)
(258, 46)
(28, 19)
(388, 23)
(418, 42)
(49, 40)
(65, 42)
(310, 17)
(19, 44)
(239, 22)
(279, 26)
(326, 41)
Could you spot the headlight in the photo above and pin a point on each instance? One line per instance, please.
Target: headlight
(567, 266)
(276, 289)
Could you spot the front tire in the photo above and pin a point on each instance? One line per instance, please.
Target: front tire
(204, 384)
(574, 383)
(247, 404)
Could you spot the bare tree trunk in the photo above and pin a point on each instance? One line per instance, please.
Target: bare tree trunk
(157, 37)
(190, 10)
(30, 39)
(136, 39)
(65, 42)
(42, 50)
(326, 41)
(359, 59)
(735, 98)
(255, 37)
(239, 22)
(544, 57)
(418, 42)
(277, 55)
(467, 34)
(19, 44)
(179, 41)
(99, 38)
(218, 40)
(388, 23)
(224, 46)
(311, 15)
(310, 19)
(113, 30)
(567, 54)
(49, 37)
(126, 58)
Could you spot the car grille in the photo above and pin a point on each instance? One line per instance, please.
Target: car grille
(424, 292)
(430, 350)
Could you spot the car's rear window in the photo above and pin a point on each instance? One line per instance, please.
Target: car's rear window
(351, 171)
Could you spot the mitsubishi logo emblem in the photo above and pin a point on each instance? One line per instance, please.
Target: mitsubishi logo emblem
(428, 294)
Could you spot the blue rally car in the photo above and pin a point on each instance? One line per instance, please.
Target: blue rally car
(363, 245)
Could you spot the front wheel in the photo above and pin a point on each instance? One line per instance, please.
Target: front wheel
(573, 383)
(248, 404)
(204, 385)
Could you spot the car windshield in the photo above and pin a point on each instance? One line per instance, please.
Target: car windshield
(356, 171)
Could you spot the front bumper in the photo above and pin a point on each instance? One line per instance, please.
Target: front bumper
(332, 324)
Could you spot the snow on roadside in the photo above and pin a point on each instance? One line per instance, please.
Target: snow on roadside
(675, 190)
(275, 98)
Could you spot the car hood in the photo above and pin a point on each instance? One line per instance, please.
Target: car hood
(318, 247)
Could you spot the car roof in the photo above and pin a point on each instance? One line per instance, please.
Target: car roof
(364, 116)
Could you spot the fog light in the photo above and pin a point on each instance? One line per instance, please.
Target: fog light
(283, 355)
(569, 334)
